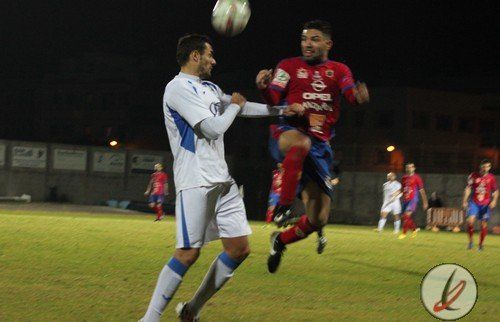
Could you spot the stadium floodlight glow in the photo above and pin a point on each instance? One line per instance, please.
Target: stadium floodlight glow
(113, 143)
(390, 148)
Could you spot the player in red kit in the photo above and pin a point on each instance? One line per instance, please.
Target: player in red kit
(274, 193)
(411, 186)
(482, 186)
(157, 190)
(301, 142)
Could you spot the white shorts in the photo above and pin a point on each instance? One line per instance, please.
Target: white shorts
(204, 214)
(394, 207)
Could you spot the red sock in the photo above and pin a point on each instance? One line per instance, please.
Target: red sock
(405, 223)
(159, 211)
(300, 230)
(484, 231)
(470, 230)
(292, 171)
(411, 224)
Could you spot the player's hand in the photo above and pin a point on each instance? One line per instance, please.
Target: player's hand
(493, 204)
(294, 109)
(465, 205)
(335, 181)
(425, 206)
(263, 78)
(146, 193)
(361, 93)
(239, 99)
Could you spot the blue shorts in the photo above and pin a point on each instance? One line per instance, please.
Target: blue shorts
(316, 165)
(273, 199)
(156, 198)
(480, 212)
(410, 206)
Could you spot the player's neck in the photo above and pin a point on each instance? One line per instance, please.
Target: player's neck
(316, 61)
(190, 70)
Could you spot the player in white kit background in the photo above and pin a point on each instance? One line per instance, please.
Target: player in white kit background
(391, 203)
(208, 205)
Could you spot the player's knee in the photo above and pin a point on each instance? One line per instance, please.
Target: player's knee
(240, 253)
(303, 143)
(187, 256)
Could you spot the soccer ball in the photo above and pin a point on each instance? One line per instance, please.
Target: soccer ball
(230, 17)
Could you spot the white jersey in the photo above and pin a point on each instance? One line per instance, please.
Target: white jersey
(390, 188)
(198, 161)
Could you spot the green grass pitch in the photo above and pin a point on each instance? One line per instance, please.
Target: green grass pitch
(87, 267)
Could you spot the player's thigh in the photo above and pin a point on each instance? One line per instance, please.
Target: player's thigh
(230, 216)
(396, 208)
(293, 138)
(384, 214)
(194, 209)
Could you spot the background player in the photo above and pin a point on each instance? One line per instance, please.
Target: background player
(302, 143)
(482, 186)
(157, 190)
(391, 203)
(412, 185)
(208, 203)
(274, 192)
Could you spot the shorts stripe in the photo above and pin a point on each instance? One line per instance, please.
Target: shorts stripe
(185, 235)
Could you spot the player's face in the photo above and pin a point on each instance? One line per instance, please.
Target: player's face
(410, 168)
(391, 176)
(315, 45)
(485, 168)
(207, 62)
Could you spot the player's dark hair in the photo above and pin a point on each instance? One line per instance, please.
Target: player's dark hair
(189, 43)
(323, 26)
(485, 161)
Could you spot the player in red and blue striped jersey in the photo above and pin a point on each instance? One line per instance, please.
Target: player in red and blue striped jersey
(412, 186)
(157, 190)
(301, 142)
(480, 197)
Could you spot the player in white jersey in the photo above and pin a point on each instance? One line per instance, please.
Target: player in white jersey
(391, 204)
(208, 205)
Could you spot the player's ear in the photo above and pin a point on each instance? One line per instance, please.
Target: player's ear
(329, 44)
(195, 56)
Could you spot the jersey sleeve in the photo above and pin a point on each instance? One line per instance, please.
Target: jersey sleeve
(276, 90)
(184, 99)
(346, 84)
(493, 183)
(420, 183)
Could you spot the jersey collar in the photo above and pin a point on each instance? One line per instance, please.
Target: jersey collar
(192, 77)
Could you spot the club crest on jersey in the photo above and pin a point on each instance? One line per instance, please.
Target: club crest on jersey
(302, 73)
(281, 78)
(329, 73)
(318, 85)
(215, 108)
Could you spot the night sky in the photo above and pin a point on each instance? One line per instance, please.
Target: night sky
(432, 44)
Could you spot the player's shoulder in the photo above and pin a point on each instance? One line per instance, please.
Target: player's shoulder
(290, 62)
(333, 64)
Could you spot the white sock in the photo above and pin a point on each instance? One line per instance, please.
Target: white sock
(397, 225)
(381, 223)
(168, 282)
(218, 274)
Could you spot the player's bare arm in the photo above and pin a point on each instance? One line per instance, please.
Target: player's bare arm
(465, 199)
(148, 189)
(493, 202)
(237, 98)
(425, 204)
